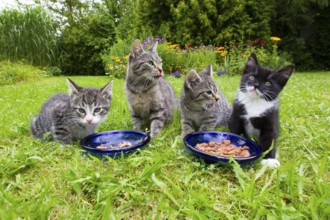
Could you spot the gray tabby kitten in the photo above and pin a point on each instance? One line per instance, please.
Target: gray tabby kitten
(74, 116)
(203, 106)
(151, 99)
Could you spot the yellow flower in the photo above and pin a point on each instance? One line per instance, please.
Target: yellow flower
(173, 46)
(219, 49)
(223, 53)
(275, 38)
(125, 57)
(117, 60)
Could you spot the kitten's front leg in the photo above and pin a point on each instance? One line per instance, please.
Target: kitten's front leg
(137, 123)
(62, 134)
(266, 139)
(236, 125)
(157, 124)
(208, 125)
(187, 128)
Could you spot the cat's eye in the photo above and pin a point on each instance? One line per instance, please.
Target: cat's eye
(97, 110)
(268, 84)
(81, 110)
(151, 63)
(209, 92)
(251, 77)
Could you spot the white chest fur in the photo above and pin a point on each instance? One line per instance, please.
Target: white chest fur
(254, 107)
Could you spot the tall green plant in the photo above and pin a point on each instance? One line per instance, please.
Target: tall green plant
(28, 34)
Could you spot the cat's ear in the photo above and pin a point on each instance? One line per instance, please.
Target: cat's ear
(136, 49)
(252, 64)
(207, 71)
(73, 87)
(283, 74)
(153, 47)
(107, 90)
(192, 79)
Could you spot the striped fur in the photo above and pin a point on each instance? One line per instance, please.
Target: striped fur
(72, 117)
(151, 99)
(203, 106)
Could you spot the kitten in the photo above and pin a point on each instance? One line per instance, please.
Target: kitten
(74, 116)
(256, 107)
(203, 106)
(151, 99)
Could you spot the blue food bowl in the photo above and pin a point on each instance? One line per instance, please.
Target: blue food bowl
(137, 139)
(192, 139)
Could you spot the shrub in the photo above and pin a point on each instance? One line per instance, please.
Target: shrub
(11, 73)
(116, 58)
(84, 42)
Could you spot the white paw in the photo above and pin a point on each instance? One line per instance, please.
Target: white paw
(271, 163)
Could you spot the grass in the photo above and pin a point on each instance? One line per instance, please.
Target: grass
(29, 34)
(162, 181)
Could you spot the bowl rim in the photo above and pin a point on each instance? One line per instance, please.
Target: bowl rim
(144, 142)
(218, 157)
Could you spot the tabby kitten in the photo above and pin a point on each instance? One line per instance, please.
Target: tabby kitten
(151, 99)
(256, 107)
(203, 106)
(74, 116)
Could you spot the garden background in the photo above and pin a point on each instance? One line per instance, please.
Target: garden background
(89, 41)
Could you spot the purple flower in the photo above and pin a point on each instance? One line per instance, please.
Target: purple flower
(159, 39)
(220, 73)
(145, 44)
(176, 74)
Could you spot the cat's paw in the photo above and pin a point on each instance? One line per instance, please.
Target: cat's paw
(270, 162)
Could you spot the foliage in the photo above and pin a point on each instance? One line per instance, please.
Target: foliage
(28, 34)
(83, 44)
(116, 59)
(87, 29)
(233, 57)
(18, 72)
(303, 26)
(124, 15)
(176, 60)
(46, 180)
(212, 22)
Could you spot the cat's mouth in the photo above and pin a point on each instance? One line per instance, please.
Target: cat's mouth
(158, 76)
(253, 91)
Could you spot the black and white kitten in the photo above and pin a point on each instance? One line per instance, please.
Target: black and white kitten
(256, 107)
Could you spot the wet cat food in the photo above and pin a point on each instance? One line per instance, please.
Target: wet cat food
(224, 148)
(122, 144)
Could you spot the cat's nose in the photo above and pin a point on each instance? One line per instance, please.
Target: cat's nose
(160, 72)
(89, 120)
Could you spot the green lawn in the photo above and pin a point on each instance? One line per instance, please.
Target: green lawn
(162, 181)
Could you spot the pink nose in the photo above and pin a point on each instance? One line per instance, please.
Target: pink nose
(89, 121)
